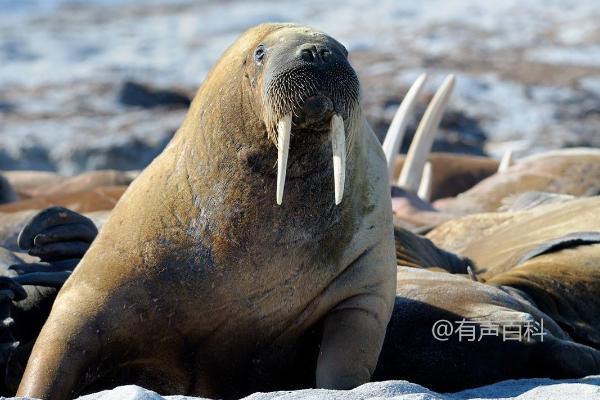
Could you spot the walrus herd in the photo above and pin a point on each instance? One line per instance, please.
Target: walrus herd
(276, 244)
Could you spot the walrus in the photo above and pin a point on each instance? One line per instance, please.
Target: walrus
(493, 320)
(568, 171)
(96, 199)
(33, 184)
(497, 241)
(529, 292)
(453, 174)
(11, 224)
(24, 181)
(55, 239)
(547, 177)
(213, 268)
(511, 269)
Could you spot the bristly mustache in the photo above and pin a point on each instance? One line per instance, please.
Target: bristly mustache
(287, 91)
(284, 99)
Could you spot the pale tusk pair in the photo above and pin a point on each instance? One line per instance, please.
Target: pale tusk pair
(338, 144)
(411, 176)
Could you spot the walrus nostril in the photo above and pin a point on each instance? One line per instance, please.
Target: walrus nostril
(307, 54)
(312, 53)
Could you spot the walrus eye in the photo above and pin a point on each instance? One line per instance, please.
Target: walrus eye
(259, 54)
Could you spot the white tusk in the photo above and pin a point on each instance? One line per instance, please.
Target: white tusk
(410, 177)
(426, 184)
(395, 133)
(284, 130)
(338, 146)
(506, 161)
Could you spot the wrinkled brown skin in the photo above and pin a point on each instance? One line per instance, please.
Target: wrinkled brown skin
(571, 171)
(97, 199)
(568, 172)
(199, 283)
(566, 286)
(453, 173)
(496, 241)
(34, 184)
(562, 287)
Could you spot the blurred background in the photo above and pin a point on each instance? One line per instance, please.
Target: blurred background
(95, 84)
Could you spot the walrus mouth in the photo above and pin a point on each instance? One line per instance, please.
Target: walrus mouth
(337, 135)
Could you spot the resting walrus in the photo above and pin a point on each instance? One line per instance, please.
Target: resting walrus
(199, 282)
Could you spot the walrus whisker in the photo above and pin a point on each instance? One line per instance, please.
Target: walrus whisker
(396, 130)
(426, 185)
(419, 150)
(338, 145)
(284, 130)
(506, 162)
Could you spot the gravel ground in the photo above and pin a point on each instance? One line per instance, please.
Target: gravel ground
(524, 389)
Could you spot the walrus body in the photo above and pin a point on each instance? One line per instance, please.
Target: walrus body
(489, 340)
(32, 184)
(26, 182)
(541, 263)
(96, 199)
(570, 171)
(452, 174)
(544, 178)
(497, 241)
(199, 282)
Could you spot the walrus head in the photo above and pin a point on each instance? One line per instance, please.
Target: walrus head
(306, 87)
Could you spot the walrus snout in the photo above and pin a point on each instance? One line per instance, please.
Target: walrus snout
(310, 88)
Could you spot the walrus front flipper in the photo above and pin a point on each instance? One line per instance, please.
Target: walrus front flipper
(60, 238)
(419, 252)
(56, 224)
(9, 291)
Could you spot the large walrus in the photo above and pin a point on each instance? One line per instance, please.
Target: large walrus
(96, 199)
(497, 241)
(208, 277)
(32, 184)
(538, 264)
